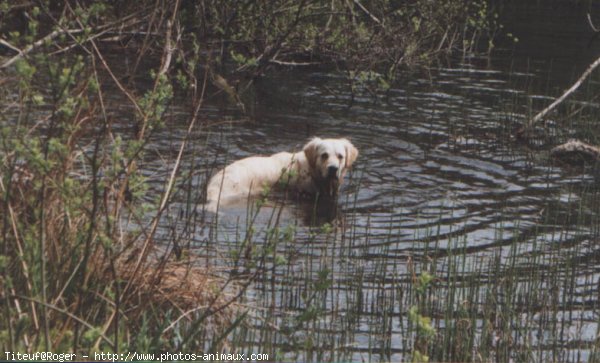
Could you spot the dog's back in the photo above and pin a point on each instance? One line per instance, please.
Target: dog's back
(246, 177)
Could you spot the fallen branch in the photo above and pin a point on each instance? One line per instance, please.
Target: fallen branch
(566, 94)
(576, 148)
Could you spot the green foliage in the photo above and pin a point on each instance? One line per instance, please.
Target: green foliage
(242, 60)
(423, 282)
(419, 357)
(423, 326)
(90, 336)
(69, 182)
(66, 183)
(326, 228)
(286, 176)
(371, 40)
(154, 103)
(25, 71)
(423, 323)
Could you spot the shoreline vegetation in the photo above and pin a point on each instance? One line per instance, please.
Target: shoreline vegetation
(82, 268)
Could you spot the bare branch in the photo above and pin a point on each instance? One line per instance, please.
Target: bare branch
(566, 94)
(589, 18)
(8, 45)
(37, 44)
(65, 312)
(373, 17)
(293, 64)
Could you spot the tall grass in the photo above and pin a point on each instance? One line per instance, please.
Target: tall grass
(81, 271)
(516, 301)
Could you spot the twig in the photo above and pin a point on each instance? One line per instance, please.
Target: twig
(21, 314)
(293, 64)
(13, 221)
(589, 18)
(8, 45)
(367, 12)
(169, 48)
(566, 94)
(167, 193)
(107, 31)
(71, 315)
(145, 43)
(99, 54)
(35, 45)
(116, 80)
(181, 317)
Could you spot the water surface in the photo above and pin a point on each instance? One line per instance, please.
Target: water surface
(440, 185)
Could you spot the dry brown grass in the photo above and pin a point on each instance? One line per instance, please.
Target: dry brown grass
(193, 293)
(182, 286)
(161, 283)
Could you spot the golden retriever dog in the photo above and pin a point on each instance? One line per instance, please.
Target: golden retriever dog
(317, 170)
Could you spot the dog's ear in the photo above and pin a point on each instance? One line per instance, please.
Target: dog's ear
(310, 150)
(351, 153)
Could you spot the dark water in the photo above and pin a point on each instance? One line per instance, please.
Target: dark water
(440, 184)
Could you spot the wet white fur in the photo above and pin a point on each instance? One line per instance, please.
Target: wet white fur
(305, 169)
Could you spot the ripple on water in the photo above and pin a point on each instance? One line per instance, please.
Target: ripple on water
(434, 174)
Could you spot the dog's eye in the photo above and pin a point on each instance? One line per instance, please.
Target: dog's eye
(324, 156)
(340, 156)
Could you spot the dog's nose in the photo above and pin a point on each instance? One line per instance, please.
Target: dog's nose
(332, 171)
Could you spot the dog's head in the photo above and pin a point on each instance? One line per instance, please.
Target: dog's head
(329, 159)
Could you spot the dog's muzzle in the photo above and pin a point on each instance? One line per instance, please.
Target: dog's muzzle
(332, 172)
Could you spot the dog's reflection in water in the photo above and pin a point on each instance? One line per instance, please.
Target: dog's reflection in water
(321, 208)
(277, 209)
